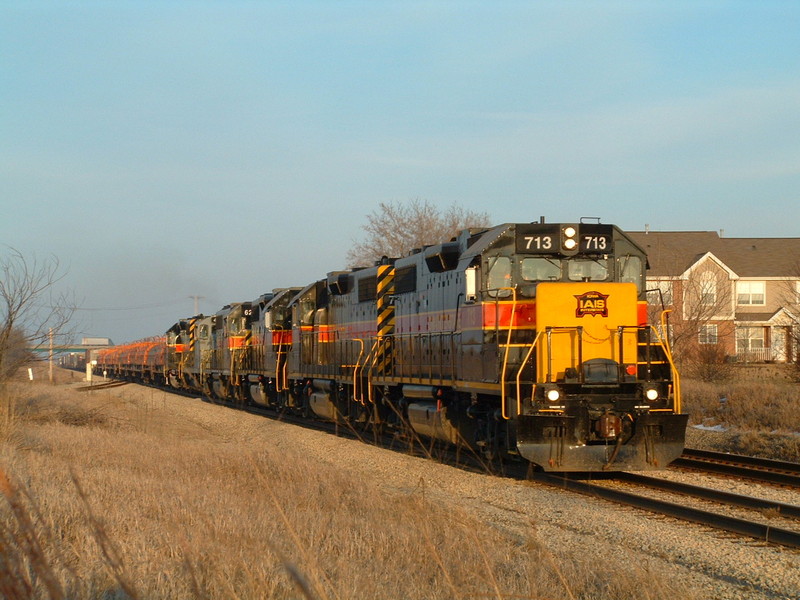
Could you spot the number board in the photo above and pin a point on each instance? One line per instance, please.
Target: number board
(595, 239)
(546, 239)
(538, 239)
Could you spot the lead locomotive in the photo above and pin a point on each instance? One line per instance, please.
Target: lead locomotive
(523, 340)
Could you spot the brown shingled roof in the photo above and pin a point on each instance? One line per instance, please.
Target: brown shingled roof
(672, 252)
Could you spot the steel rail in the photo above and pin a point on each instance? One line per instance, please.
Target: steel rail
(740, 459)
(101, 386)
(785, 510)
(777, 477)
(759, 531)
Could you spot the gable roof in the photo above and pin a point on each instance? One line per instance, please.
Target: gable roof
(671, 253)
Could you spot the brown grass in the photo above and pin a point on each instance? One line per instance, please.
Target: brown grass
(110, 498)
(763, 417)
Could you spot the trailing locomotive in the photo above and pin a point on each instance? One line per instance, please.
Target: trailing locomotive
(524, 340)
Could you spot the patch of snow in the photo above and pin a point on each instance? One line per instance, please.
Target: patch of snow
(720, 428)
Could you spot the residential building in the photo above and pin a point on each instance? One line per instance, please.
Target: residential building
(739, 295)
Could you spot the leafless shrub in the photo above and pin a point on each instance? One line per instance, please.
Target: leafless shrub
(31, 310)
(707, 362)
(394, 228)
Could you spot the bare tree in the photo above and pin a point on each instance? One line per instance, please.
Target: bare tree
(701, 321)
(394, 228)
(790, 300)
(31, 310)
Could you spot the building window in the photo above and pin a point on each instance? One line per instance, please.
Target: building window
(750, 338)
(750, 292)
(708, 289)
(708, 334)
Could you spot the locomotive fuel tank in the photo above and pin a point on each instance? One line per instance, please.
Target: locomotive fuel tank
(320, 399)
(428, 416)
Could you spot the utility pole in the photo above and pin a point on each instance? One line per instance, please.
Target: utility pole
(197, 303)
(50, 335)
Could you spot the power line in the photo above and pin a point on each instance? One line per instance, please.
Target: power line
(141, 307)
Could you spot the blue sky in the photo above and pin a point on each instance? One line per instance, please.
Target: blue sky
(169, 149)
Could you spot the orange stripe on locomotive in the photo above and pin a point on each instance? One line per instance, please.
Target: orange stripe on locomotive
(238, 341)
(325, 333)
(499, 314)
(281, 337)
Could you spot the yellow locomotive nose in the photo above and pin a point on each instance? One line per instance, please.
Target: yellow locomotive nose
(583, 320)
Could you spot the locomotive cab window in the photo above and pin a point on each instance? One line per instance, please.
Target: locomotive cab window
(235, 325)
(630, 271)
(540, 269)
(499, 276)
(588, 270)
(307, 308)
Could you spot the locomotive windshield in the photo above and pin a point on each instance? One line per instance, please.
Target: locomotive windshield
(587, 269)
(237, 325)
(540, 269)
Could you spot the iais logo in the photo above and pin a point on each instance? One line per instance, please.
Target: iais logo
(592, 303)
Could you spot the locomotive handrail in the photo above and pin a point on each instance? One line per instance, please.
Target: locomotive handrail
(280, 383)
(182, 363)
(410, 363)
(355, 368)
(549, 332)
(621, 330)
(664, 343)
(519, 373)
(508, 349)
(374, 352)
(234, 372)
(668, 350)
(355, 373)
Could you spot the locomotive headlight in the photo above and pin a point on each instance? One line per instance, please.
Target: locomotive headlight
(553, 395)
(569, 238)
(651, 394)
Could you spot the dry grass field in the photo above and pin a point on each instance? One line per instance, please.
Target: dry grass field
(139, 494)
(759, 418)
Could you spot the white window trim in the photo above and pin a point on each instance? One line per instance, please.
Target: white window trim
(750, 293)
(755, 333)
(709, 328)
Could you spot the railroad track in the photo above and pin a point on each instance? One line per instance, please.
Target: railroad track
(715, 520)
(755, 469)
(748, 467)
(102, 386)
